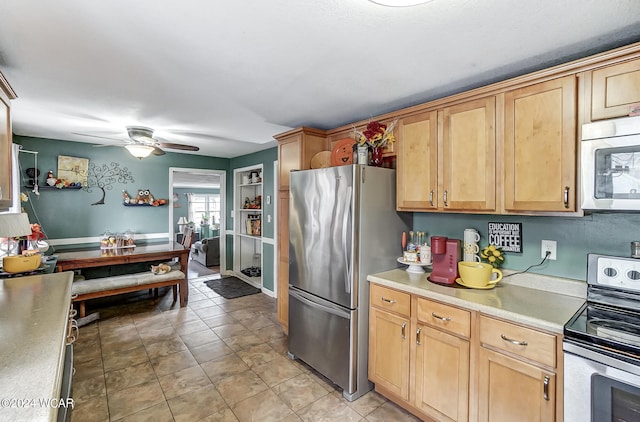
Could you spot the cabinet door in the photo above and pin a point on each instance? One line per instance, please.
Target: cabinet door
(289, 158)
(511, 390)
(283, 259)
(615, 89)
(389, 352)
(469, 153)
(417, 162)
(442, 375)
(5, 154)
(540, 147)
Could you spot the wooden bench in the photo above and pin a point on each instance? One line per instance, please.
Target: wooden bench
(83, 290)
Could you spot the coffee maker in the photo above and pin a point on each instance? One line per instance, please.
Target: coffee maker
(445, 254)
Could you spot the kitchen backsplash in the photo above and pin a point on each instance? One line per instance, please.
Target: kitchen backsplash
(606, 233)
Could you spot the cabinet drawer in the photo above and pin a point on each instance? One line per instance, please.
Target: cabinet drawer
(390, 300)
(445, 317)
(522, 341)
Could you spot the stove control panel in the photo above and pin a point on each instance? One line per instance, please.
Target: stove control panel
(617, 272)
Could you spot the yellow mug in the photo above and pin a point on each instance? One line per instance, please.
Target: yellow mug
(477, 274)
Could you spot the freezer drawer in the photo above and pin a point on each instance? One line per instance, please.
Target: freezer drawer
(322, 334)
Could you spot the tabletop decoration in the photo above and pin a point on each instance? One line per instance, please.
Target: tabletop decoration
(375, 137)
(492, 255)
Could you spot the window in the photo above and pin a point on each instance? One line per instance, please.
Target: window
(204, 205)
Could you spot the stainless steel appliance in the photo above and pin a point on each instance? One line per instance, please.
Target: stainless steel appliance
(610, 164)
(602, 345)
(342, 226)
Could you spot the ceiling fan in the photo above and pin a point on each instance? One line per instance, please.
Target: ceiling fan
(141, 142)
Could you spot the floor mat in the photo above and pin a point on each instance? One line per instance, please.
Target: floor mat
(231, 287)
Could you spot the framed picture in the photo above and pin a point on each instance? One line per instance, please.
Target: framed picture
(73, 169)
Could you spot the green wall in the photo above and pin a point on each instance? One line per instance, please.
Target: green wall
(69, 213)
(606, 233)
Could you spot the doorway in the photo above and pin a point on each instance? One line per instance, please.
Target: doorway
(188, 180)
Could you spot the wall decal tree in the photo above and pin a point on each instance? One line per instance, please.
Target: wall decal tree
(104, 176)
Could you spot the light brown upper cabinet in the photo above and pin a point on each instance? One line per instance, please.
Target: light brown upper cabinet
(540, 147)
(417, 169)
(615, 89)
(467, 170)
(295, 150)
(446, 159)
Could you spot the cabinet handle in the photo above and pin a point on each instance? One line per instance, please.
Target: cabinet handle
(566, 196)
(445, 319)
(391, 301)
(431, 197)
(516, 342)
(404, 326)
(444, 198)
(418, 336)
(545, 389)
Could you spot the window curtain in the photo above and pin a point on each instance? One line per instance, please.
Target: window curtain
(190, 211)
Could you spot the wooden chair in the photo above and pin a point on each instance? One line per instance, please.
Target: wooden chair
(187, 238)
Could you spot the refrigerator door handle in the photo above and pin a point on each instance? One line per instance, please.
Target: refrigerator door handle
(347, 251)
(334, 310)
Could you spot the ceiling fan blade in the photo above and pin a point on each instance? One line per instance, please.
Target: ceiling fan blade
(183, 147)
(157, 151)
(96, 136)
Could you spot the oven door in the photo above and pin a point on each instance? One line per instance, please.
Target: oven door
(611, 173)
(598, 387)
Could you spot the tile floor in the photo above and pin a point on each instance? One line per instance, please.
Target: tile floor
(215, 360)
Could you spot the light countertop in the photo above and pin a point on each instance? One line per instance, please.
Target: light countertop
(538, 301)
(34, 312)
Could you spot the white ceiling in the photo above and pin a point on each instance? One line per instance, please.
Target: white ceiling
(227, 76)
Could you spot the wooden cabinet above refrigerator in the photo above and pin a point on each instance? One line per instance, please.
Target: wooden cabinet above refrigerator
(6, 95)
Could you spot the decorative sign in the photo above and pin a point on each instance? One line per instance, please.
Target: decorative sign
(508, 236)
(73, 169)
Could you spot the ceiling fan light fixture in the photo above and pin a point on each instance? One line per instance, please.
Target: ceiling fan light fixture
(139, 151)
(140, 133)
(399, 3)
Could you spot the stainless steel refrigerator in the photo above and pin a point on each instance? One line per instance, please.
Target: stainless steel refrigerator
(343, 225)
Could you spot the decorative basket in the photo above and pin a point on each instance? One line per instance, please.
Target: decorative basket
(21, 263)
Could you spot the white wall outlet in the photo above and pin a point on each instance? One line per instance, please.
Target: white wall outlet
(548, 246)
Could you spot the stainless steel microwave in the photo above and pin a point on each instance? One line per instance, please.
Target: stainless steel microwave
(610, 165)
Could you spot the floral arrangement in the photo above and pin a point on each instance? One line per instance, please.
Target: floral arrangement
(492, 255)
(376, 134)
(36, 232)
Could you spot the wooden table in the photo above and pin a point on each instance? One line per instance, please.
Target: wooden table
(90, 258)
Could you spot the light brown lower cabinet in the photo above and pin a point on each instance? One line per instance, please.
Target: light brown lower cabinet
(516, 372)
(438, 360)
(512, 390)
(420, 345)
(442, 374)
(389, 352)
